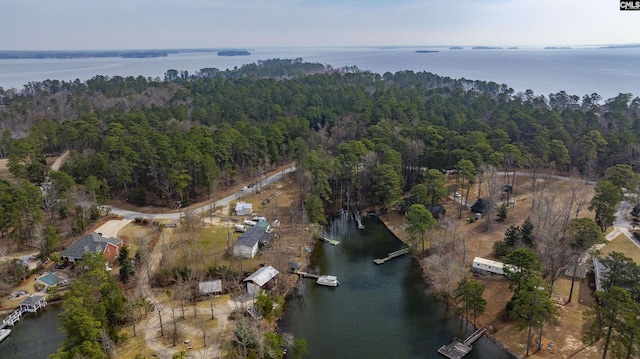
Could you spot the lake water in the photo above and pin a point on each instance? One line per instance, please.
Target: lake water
(577, 71)
(378, 311)
(35, 336)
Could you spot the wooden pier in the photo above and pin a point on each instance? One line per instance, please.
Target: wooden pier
(393, 255)
(306, 275)
(358, 218)
(458, 349)
(30, 305)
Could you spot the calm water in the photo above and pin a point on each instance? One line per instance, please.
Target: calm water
(35, 336)
(577, 71)
(378, 311)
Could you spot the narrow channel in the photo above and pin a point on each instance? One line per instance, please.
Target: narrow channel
(35, 336)
(377, 311)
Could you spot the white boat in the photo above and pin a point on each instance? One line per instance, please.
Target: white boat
(328, 280)
(4, 333)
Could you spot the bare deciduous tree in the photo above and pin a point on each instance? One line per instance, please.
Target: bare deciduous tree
(494, 188)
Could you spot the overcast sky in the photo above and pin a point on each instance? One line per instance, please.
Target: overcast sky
(146, 24)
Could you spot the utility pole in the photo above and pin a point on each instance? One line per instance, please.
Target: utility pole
(228, 235)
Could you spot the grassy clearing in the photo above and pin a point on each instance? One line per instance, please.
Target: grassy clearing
(135, 235)
(624, 245)
(134, 347)
(4, 171)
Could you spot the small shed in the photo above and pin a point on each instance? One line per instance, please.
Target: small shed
(260, 279)
(294, 266)
(437, 211)
(485, 266)
(480, 206)
(30, 262)
(212, 287)
(243, 209)
(247, 245)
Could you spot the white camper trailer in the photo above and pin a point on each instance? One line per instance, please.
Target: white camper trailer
(485, 266)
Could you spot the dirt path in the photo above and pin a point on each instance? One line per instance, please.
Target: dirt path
(59, 161)
(222, 308)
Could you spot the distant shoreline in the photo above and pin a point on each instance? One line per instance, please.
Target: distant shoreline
(152, 53)
(85, 54)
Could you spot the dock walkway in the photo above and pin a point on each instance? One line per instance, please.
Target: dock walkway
(29, 305)
(458, 349)
(306, 275)
(393, 255)
(358, 218)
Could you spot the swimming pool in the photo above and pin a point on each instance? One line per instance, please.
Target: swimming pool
(50, 279)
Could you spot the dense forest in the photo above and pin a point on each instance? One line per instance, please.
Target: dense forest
(359, 135)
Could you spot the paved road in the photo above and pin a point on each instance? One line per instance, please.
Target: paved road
(207, 207)
(622, 225)
(543, 175)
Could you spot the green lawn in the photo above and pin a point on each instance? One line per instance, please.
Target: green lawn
(624, 245)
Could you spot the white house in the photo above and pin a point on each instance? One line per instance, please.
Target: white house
(247, 245)
(259, 279)
(484, 266)
(243, 208)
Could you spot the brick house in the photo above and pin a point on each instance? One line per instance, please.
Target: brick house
(93, 243)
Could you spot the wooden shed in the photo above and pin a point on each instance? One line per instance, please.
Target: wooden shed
(260, 279)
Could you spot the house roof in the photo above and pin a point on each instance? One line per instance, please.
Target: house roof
(240, 206)
(263, 224)
(479, 207)
(32, 300)
(251, 236)
(262, 275)
(599, 270)
(437, 211)
(213, 286)
(89, 243)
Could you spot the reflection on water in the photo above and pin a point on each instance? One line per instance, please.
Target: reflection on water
(35, 336)
(378, 311)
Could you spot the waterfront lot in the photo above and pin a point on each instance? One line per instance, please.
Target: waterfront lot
(478, 241)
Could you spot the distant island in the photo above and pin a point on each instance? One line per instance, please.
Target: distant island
(233, 53)
(557, 48)
(486, 48)
(512, 48)
(426, 51)
(456, 48)
(629, 46)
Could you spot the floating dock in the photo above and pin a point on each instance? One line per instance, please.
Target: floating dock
(393, 255)
(4, 333)
(330, 241)
(458, 349)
